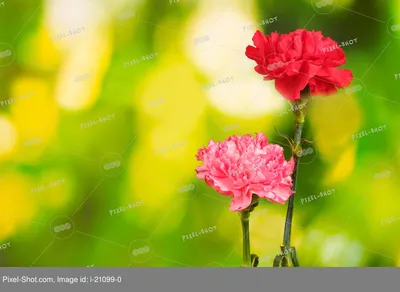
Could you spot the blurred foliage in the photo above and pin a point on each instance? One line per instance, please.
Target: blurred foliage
(105, 103)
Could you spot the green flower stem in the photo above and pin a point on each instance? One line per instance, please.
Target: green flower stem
(299, 123)
(289, 214)
(245, 218)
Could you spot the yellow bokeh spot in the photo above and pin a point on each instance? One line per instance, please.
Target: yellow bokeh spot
(81, 75)
(34, 113)
(177, 92)
(169, 124)
(398, 258)
(8, 136)
(345, 3)
(344, 166)
(331, 125)
(379, 210)
(58, 186)
(39, 52)
(16, 207)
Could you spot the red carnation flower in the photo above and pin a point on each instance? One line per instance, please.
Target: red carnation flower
(300, 59)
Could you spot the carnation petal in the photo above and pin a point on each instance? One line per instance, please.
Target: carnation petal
(217, 185)
(201, 171)
(240, 201)
(344, 77)
(261, 70)
(328, 79)
(291, 86)
(259, 39)
(280, 194)
(320, 86)
(253, 54)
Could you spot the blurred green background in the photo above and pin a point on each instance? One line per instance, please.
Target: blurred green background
(103, 105)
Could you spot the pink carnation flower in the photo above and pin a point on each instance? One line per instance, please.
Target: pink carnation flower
(246, 165)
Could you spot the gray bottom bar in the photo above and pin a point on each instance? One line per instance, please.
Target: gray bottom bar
(200, 280)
